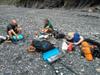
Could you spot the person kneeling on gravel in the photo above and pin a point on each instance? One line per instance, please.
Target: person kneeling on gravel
(40, 46)
(48, 28)
(76, 39)
(90, 48)
(13, 28)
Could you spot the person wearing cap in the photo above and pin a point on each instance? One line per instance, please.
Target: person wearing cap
(47, 26)
(13, 28)
(77, 39)
(74, 38)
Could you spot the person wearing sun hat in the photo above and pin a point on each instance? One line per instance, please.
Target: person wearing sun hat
(75, 38)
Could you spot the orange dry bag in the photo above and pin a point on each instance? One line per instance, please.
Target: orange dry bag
(86, 49)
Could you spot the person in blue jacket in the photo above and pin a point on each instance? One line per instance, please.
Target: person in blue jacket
(75, 38)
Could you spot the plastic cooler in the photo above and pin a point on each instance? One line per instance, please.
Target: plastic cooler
(52, 55)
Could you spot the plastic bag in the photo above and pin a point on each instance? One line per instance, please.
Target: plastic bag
(64, 45)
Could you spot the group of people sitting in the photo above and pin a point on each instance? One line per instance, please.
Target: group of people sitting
(89, 47)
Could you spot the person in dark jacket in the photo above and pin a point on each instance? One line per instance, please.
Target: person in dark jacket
(13, 28)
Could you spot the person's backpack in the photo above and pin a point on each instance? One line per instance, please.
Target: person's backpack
(96, 52)
(46, 45)
(58, 35)
(2, 39)
(42, 46)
